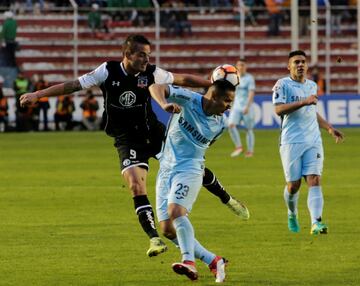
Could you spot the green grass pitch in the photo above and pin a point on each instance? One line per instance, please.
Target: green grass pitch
(66, 217)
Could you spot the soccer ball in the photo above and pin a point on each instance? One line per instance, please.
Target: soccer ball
(225, 72)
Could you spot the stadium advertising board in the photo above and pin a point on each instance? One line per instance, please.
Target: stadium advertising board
(339, 110)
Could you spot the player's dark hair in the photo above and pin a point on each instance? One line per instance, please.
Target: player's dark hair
(223, 84)
(297, 53)
(242, 60)
(132, 40)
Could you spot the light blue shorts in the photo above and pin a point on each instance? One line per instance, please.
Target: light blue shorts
(180, 188)
(237, 117)
(301, 159)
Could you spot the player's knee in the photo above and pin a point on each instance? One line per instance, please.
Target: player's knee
(175, 211)
(293, 187)
(313, 180)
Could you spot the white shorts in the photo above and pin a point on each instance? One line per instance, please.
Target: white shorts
(301, 159)
(237, 117)
(180, 188)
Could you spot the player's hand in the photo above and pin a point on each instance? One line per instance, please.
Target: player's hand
(311, 100)
(246, 110)
(172, 108)
(338, 135)
(28, 98)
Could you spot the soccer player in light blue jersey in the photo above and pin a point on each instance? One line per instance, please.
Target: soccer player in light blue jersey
(243, 111)
(301, 149)
(197, 121)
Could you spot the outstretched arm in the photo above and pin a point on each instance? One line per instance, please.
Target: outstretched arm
(55, 90)
(286, 108)
(338, 135)
(159, 92)
(190, 80)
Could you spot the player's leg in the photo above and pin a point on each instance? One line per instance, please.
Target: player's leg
(234, 119)
(249, 122)
(183, 193)
(213, 185)
(312, 169)
(134, 166)
(291, 160)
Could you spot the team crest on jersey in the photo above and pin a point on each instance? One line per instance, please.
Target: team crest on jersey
(128, 98)
(142, 81)
(126, 162)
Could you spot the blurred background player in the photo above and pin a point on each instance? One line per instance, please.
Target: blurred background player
(90, 106)
(199, 122)
(44, 104)
(129, 117)
(301, 149)
(242, 111)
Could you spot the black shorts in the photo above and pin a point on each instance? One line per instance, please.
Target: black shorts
(138, 154)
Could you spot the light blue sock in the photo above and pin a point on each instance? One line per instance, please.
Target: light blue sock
(291, 201)
(250, 140)
(185, 236)
(235, 137)
(200, 252)
(203, 254)
(315, 203)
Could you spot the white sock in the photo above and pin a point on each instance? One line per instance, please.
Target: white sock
(200, 252)
(203, 254)
(185, 236)
(315, 203)
(250, 140)
(235, 137)
(291, 201)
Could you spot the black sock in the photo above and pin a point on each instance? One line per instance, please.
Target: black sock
(212, 184)
(146, 215)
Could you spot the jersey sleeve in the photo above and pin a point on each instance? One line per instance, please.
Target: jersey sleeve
(95, 77)
(279, 95)
(180, 95)
(163, 77)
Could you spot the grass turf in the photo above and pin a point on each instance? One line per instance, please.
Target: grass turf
(66, 217)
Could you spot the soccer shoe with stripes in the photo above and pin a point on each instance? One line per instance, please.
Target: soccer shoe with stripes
(319, 228)
(293, 223)
(217, 267)
(186, 268)
(157, 246)
(237, 152)
(238, 208)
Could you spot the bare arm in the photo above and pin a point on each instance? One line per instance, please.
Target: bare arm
(190, 80)
(55, 90)
(159, 92)
(286, 108)
(250, 101)
(338, 135)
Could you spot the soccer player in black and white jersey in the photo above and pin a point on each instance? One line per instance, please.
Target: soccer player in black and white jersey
(131, 121)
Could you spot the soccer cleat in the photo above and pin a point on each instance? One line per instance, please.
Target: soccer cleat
(157, 246)
(236, 152)
(186, 268)
(249, 154)
(238, 208)
(293, 223)
(217, 267)
(319, 228)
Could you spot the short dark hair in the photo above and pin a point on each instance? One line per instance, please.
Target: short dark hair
(297, 53)
(132, 40)
(223, 84)
(242, 60)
